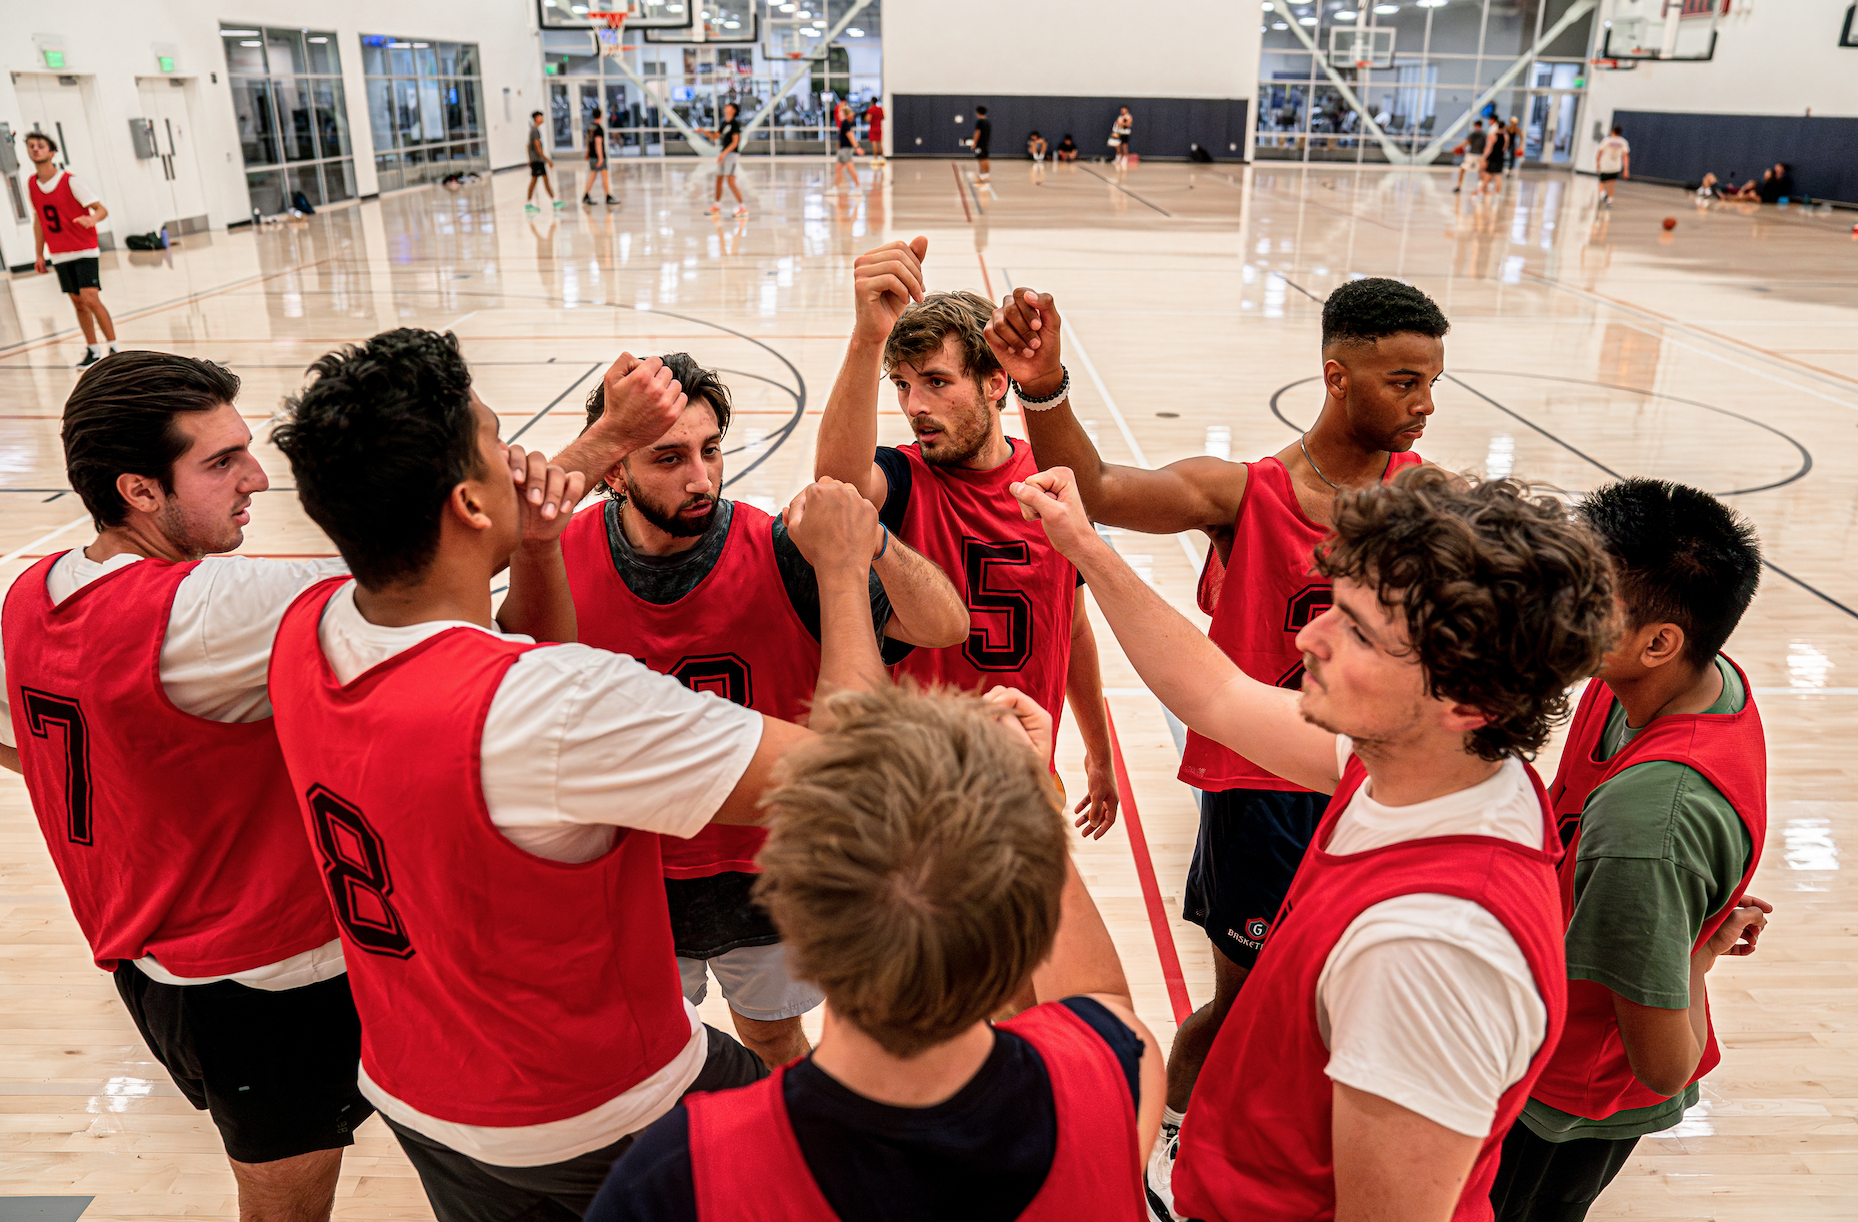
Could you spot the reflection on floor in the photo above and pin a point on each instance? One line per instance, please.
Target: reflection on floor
(1585, 343)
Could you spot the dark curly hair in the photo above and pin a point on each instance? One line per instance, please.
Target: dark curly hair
(1508, 598)
(698, 383)
(1363, 311)
(377, 441)
(1680, 557)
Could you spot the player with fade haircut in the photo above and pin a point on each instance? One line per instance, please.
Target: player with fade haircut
(65, 216)
(135, 673)
(1382, 348)
(1662, 797)
(945, 494)
(486, 810)
(919, 870)
(1413, 987)
(717, 594)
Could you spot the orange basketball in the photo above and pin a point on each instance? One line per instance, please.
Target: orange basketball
(1670, 222)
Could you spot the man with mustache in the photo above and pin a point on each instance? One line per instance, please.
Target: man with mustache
(946, 495)
(715, 593)
(1383, 347)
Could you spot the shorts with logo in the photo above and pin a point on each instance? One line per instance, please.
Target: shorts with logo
(718, 929)
(276, 1070)
(76, 275)
(1250, 844)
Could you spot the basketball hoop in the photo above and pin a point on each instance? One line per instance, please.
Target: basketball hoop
(608, 33)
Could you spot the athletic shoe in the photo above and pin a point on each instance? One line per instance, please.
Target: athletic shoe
(1456, 190)
(610, 201)
(741, 211)
(587, 201)
(91, 357)
(530, 208)
(713, 210)
(559, 204)
(1158, 1182)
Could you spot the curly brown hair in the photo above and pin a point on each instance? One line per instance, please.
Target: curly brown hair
(1507, 597)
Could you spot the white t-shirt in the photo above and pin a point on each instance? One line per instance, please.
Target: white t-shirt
(1613, 152)
(85, 196)
(1426, 999)
(577, 743)
(213, 663)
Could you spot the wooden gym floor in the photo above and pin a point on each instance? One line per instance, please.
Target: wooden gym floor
(1584, 344)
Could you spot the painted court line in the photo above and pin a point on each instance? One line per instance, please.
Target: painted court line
(16, 553)
(1151, 889)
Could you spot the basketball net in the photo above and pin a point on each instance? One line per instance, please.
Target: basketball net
(609, 38)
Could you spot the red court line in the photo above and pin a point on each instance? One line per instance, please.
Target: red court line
(985, 278)
(961, 189)
(1145, 872)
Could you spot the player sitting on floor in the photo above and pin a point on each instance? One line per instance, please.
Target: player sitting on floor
(1662, 796)
(918, 870)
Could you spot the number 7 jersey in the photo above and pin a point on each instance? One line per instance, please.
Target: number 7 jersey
(1019, 590)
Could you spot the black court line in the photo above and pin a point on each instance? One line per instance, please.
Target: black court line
(1588, 458)
(552, 404)
(1293, 284)
(1125, 190)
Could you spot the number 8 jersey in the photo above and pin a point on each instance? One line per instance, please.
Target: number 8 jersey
(1019, 590)
(174, 835)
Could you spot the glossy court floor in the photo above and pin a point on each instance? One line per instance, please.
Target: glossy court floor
(1584, 344)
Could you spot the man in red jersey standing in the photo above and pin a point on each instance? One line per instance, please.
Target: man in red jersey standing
(1382, 350)
(1411, 992)
(65, 216)
(135, 679)
(716, 594)
(1662, 796)
(481, 805)
(945, 495)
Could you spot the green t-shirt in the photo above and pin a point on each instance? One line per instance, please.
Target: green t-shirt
(1660, 851)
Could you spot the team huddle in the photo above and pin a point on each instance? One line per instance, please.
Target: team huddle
(350, 842)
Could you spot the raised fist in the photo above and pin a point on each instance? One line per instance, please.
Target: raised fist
(1023, 335)
(832, 524)
(884, 283)
(643, 401)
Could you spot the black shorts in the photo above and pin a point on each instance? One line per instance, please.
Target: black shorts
(538, 169)
(79, 274)
(713, 916)
(1250, 844)
(1608, 175)
(982, 154)
(275, 1070)
(462, 1189)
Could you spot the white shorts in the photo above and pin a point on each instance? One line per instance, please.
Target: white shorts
(754, 981)
(728, 170)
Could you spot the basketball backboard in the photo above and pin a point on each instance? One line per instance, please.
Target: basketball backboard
(1360, 47)
(1661, 29)
(728, 22)
(644, 14)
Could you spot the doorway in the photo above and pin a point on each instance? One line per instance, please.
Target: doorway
(172, 177)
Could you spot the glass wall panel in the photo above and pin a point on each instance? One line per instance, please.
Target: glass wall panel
(322, 53)
(423, 99)
(293, 108)
(245, 52)
(257, 118)
(287, 98)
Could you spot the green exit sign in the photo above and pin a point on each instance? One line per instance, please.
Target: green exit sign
(547, 69)
(166, 62)
(54, 59)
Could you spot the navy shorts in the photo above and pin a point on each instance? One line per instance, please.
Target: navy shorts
(1250, 844)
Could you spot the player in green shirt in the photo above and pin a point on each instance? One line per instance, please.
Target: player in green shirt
(1661, 849)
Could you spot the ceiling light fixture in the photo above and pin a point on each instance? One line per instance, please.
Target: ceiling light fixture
(855, 32)
(1386, 10)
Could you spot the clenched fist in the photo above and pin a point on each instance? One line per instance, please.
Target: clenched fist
(884, 283)
(834, 526)
(643, 401)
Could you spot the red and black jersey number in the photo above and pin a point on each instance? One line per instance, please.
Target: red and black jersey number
(1305, 605)
(355, 869)
(1000, 617)
(50, 221)
(722, 674)
(43, 711)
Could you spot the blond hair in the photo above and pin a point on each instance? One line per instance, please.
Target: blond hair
(914, 864)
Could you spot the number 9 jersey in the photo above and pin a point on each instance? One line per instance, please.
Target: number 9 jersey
(1019, 590)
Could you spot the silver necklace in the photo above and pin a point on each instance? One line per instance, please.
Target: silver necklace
(1319, 471)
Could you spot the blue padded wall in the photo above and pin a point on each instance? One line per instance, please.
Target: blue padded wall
(1681, 147)
(1164, 127)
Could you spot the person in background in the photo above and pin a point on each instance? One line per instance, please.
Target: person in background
(65, 216)
(1514, 139)
(982, 142)
(728, 139)
(1470, 152)
(874, 128)
(1706, 190)
(1496, 151)
(1612, 160)
(1119, 136)
(596, 162)
(1776, 185)
(1067, 149)
(848, 145)
(1036, 147)
(539, 162)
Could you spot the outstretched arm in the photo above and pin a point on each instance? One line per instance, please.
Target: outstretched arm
(884, 282)
(924, 606)
(1026, 336)
(1083, 688)
(1189, 673)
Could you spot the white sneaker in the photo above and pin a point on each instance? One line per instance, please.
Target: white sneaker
(1158, 1182)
